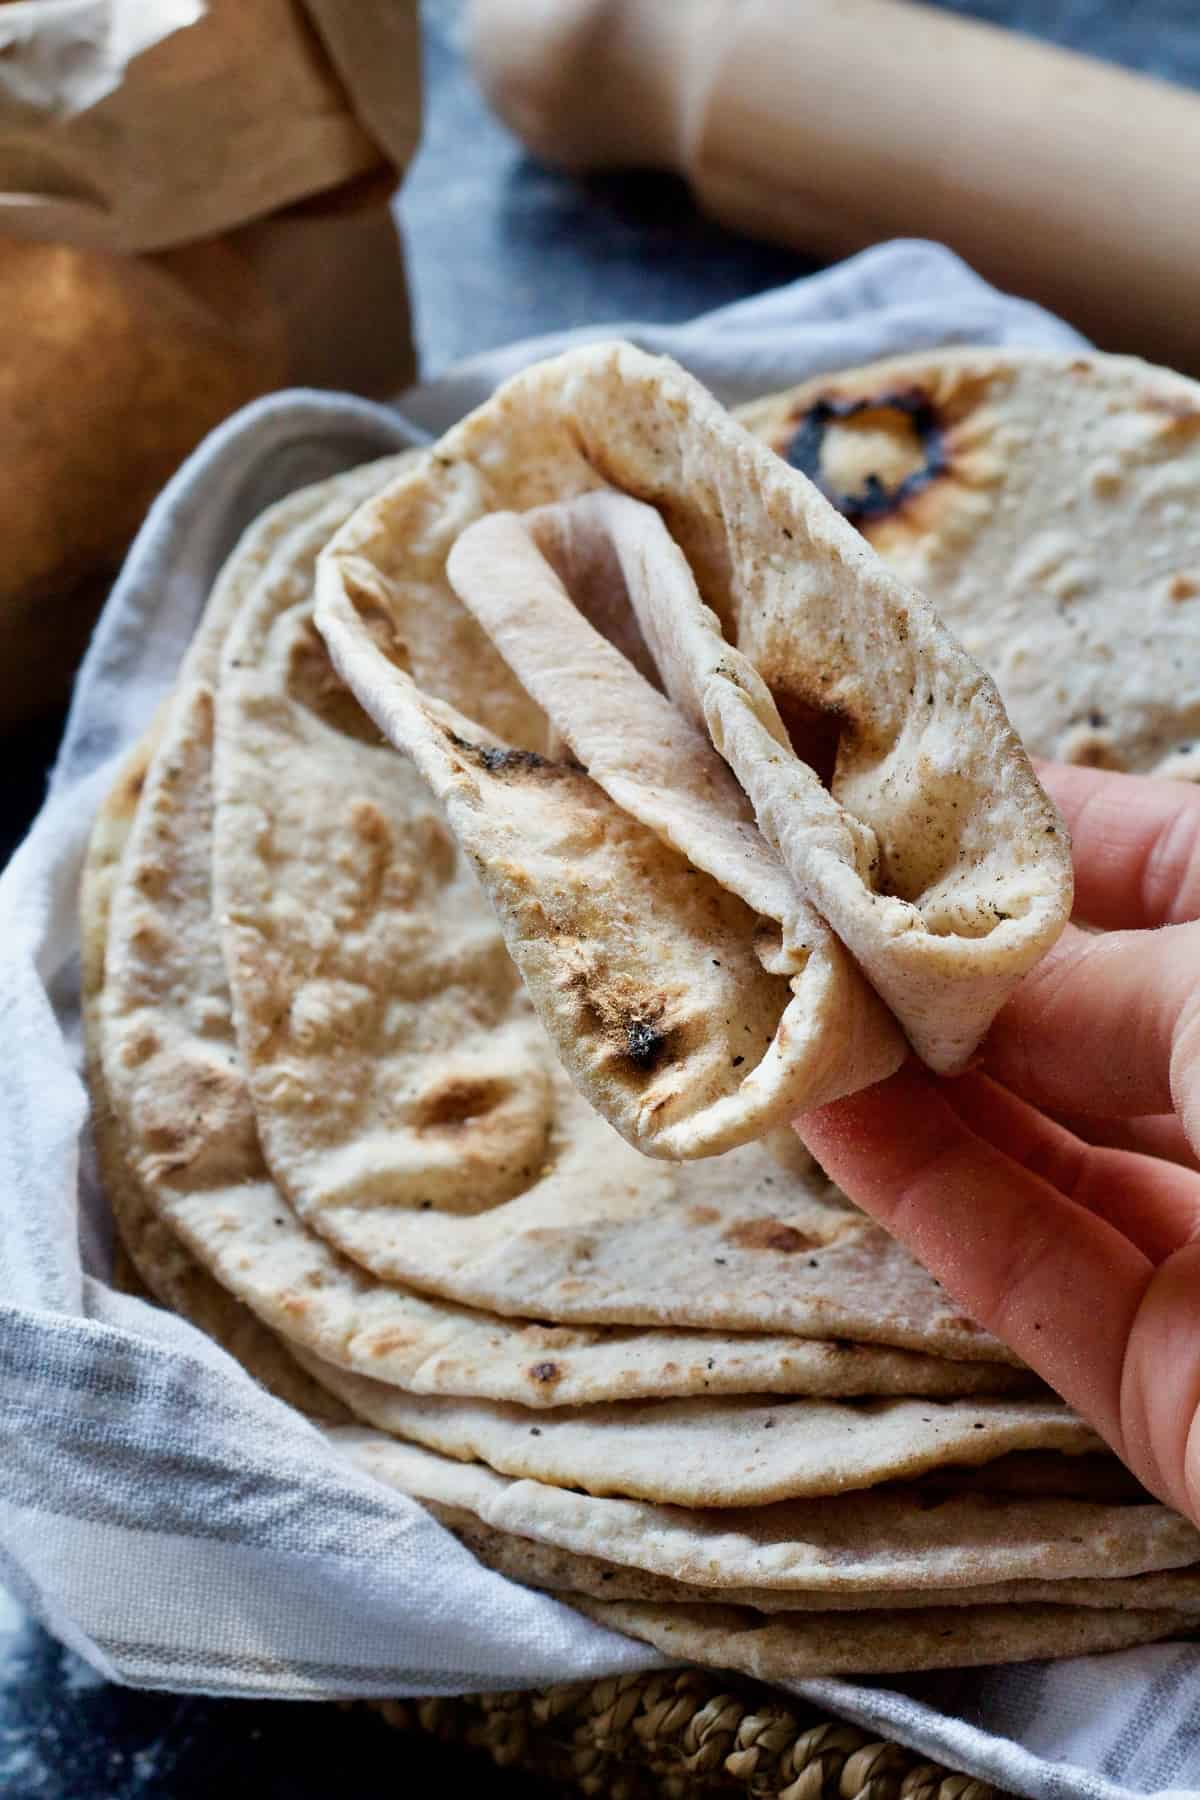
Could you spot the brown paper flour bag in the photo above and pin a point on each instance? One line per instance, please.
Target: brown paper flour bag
(195, 208)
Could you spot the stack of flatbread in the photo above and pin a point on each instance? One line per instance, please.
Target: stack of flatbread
(449, 1088)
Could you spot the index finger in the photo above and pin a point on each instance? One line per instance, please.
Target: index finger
(1050, 1278)
(1106, 1025)
(1112, 1332)
(1135, 842)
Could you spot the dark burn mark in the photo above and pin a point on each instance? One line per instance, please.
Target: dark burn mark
(645, 1045)
(504, 761)
(875, 501)
(770, 1234)
(630, 1021)
(498, 761)
(546, 1373)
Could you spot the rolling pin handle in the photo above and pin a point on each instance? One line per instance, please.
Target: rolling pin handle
(828, 125)
(591, 84)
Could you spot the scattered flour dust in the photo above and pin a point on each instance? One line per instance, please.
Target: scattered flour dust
(78, 1677)
(11, 1617)
(30, 1759)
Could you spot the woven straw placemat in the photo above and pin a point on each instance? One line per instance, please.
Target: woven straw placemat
(681, 1734)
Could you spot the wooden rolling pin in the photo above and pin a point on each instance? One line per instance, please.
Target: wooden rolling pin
(830, 124)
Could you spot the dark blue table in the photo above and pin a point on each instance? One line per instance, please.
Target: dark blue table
(498, 248)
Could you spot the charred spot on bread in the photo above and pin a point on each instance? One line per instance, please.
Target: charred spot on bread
(499, 759)
(631, 1022)
(645, 1045)
(875, 500)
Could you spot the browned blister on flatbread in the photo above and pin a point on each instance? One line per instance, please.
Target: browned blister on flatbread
(698, 639)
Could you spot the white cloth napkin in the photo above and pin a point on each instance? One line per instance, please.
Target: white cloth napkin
(158, 1511)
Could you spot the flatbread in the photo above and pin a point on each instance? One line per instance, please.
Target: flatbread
(1042, 1474)
(594, 1232)
(793, 1646)
(169, 1273)
(741, 1451)
(938, 804)
(875, 1541)
(168, 976)
(942, 917)
(180, 1144)
(695, 1010)
(451, 1351)
(1046, 504)
(543, 1566)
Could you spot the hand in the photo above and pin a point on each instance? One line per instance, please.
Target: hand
(1057, 1195)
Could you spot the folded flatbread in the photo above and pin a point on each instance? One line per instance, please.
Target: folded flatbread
(182, 1122)
(696, 638)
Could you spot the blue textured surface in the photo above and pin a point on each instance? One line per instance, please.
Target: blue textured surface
(498, 248)
(501, 248)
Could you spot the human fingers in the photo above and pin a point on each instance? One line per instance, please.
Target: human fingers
(1160, 1385)
(1114, 1335)
(1135, 844)
(1156, 1204)
(1156, 1134)
(1057, 1282)
(1107, 1025)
